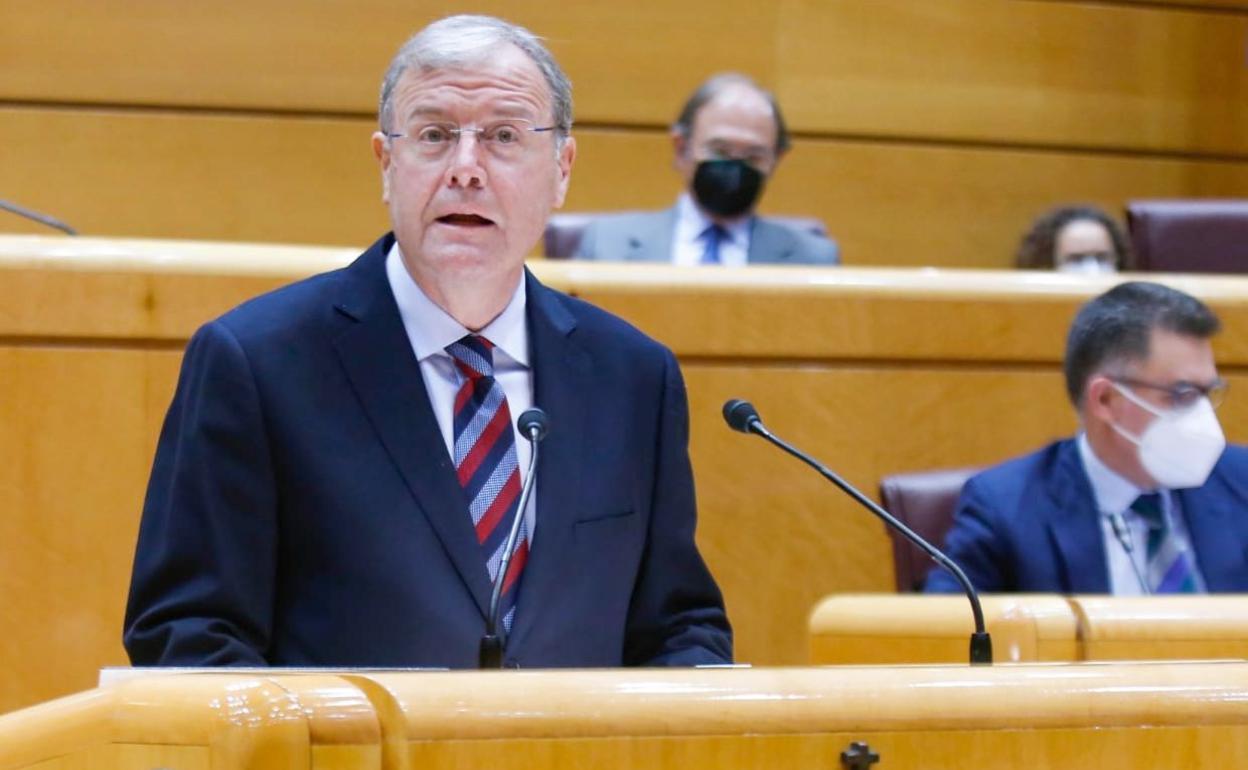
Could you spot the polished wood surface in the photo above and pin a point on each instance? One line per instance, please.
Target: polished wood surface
(1162, 627)
(889, 629)
(211, 721)
(1068, 73)
(875, 371)
(926, 133)
(313, 180)
(1035, 716)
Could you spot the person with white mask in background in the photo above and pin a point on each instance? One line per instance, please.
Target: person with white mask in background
(1074, 239)
(1148, 498)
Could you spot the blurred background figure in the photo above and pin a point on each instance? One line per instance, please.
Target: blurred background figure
(1074, 239)
(727, 140)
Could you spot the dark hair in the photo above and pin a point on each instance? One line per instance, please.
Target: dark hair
(1036, 250)
(1114, 328)
(711, 88)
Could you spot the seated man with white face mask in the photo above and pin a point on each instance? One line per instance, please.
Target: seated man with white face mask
(1148, 498)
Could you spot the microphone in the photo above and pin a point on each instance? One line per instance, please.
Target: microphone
(42, 219)
(1124, 539)
(533, 425)
(742, 416)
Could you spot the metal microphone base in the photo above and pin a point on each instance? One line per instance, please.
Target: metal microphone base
(490, 655)
(981, 649)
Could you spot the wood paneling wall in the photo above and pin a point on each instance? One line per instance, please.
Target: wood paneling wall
(927, 133)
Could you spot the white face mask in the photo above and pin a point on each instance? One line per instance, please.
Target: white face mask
(1181, 446)
(1086, 265)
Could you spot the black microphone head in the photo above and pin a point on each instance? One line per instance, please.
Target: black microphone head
(741, 415)
(533, 424)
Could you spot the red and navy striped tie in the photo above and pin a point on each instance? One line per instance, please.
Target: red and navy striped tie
(485, 460)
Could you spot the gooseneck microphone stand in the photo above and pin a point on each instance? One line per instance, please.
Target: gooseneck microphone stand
(742, 416)
(533, 425)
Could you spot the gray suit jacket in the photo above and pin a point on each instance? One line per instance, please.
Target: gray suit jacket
(647, 237)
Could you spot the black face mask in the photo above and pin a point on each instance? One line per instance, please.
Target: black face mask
(727, 188)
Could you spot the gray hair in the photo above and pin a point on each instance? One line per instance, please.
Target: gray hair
(714, 86)
(466, 39)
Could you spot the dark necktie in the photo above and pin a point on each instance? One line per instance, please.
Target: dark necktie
(714, 236)
(485, 461)
(1170, 568)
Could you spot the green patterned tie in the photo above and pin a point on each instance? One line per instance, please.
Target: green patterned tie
(1170, 569)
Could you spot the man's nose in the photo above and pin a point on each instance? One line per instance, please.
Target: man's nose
(465, 168)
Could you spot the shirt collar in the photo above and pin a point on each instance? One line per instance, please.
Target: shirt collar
(696, 222)
(1114, 494)
(431, 329)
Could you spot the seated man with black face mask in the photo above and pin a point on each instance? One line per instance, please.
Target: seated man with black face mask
(728, 139)
(1148, 498)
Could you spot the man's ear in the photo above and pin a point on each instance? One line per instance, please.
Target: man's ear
(381, 151)
(680, 150)
(567, 156)
(1098, 397)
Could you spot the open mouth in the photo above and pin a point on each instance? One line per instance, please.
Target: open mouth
(465, 220)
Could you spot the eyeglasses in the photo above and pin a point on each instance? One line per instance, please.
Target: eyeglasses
(1182, 394)
(505, 139)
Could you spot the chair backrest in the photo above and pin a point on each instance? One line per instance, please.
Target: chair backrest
(1189, 236)
(924, 502)
(564, 231)
(563, 234)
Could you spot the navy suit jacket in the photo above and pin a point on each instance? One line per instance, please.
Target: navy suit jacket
(303, 509)
(1032, 524)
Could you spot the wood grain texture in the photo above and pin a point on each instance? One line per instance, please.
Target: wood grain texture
(868, 629)
(314, 181)
(1042, 716)
(221, 720)
(77, 431)
(875, 371)
(1160, 627)
(1069, 73)
(874, 629)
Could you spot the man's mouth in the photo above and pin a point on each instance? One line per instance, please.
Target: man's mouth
(465, 220)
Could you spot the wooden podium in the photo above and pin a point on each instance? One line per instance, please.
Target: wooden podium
(1129, 715)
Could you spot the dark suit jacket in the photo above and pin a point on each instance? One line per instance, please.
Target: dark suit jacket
(303, 509)
(1032, 524)
(647, 237)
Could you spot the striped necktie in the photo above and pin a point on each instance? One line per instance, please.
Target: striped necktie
(714, 235)
(1170, 569)
(485, 461)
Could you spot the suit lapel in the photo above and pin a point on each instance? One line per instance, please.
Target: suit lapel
(561, 379)
(653, 242)
(377, 356)
(769, 243)
(1220, 556)
(1075, 526)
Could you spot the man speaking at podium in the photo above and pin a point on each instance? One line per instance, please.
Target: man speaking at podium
(340, 465)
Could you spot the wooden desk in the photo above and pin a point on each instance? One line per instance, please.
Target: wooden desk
(859, 629)
(1162, 627)
(913, 628)
(1141, 716)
